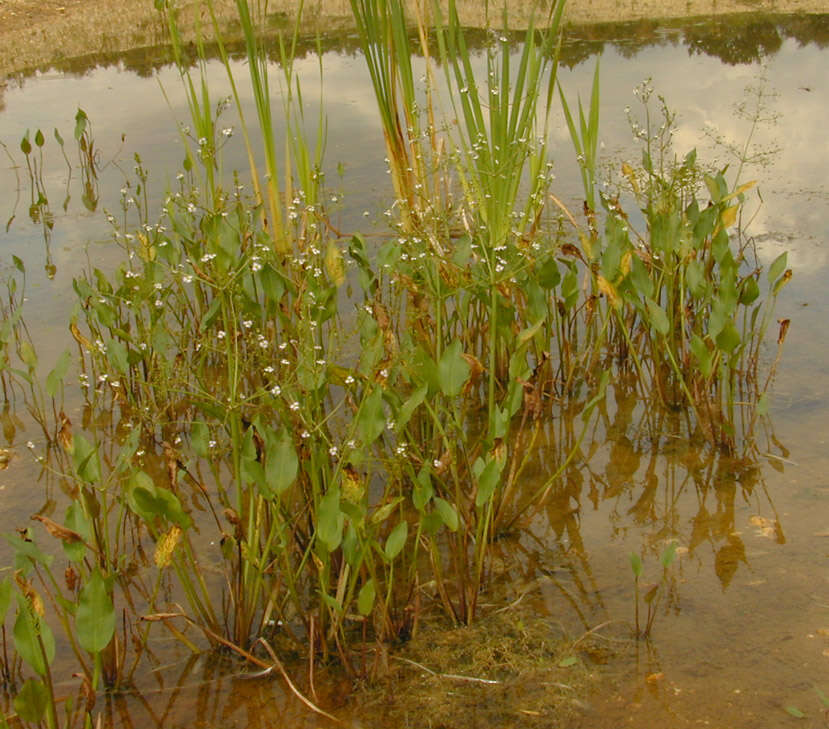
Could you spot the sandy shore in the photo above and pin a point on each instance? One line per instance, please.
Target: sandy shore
(37, 34)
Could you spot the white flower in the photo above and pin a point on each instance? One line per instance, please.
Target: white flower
(294, 406)
(221, 334)
(276, 391)
(349, 380)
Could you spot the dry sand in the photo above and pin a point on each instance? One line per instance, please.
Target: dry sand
(37, 34)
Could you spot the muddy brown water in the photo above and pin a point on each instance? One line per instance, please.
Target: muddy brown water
(743, 629)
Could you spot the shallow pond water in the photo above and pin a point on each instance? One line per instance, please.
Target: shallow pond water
(742, 631)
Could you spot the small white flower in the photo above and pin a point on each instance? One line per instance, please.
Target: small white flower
(221, 334)
(333, 451)
(30, 445)
(276, 391)
(211, 444)
(227, 132)
(294, 406)
(349, 380)
(436, 463)
(269, 369)
(247, 323)
(304, 434)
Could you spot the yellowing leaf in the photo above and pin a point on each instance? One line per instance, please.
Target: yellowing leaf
(628, 172)
(609, 290)
(729, 216)
(165, 547)
(334, 264)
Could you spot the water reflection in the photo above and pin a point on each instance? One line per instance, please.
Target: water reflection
(639, 485)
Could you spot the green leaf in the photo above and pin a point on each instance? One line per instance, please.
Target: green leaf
(548, 275)
(85, 457)
(777, 267)
(636, 564)
(567, 662)
(447, 513)
(385, 511)
(728, 338)
(487, 481)
(95, 616)
(763, 405)
(668, 555)
(81, 121)
(408, 407)
(39, 139)
(749, 291)
(27, 627)
(27, 354)
(423, 489)
(658, 317)
(32, 700)
(77, 521)
(453, 370)
(55, 377)
(27, 553)
(365, 600)
(211, 313)
(795, 712)
(396, 540)
(200, 438)
(117, 356)
(330, 520)
(281, 463)
(371, 419)
(151, 502)
(703, 355)
(5, 597)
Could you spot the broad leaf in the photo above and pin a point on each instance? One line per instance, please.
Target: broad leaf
(95, 616)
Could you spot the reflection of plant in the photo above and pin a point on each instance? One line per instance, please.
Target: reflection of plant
(653, 594)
